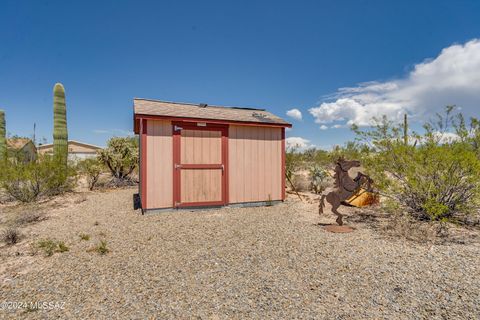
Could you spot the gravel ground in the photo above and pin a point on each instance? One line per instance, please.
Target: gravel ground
(271, 262)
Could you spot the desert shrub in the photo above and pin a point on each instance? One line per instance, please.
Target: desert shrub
(50, 246)
(293, 161)
(91, 169)
(469, 134)
(11, 236)
(28, 181)
(317, 157)
(433, 178)
(84, 237)
(62, 247)
(300, 181)
(101, 248)
(351, 150)
(121, 158)
(27, 217)
(318, 177)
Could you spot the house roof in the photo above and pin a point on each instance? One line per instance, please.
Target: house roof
(18, 143)
(203, 111)
(73, 146)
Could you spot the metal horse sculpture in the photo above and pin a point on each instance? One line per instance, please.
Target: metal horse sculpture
(345, 186)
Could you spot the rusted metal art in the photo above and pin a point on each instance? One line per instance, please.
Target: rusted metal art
(363, 198)
(347, 189)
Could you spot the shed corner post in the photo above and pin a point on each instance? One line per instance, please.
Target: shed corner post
(143, 163)
(226, 168)
(283, 164)
(176, 155)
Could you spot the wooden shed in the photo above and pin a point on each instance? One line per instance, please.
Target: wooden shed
(196, 155)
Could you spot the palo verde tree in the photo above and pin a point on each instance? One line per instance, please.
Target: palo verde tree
(60, 133)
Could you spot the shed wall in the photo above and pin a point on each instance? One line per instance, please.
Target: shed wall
(255, 163)
(159, 175)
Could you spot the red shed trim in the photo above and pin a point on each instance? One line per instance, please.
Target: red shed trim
(143, 159)
(209, 121)
(283, 164)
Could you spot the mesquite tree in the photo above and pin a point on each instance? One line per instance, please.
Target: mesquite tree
(60, 133)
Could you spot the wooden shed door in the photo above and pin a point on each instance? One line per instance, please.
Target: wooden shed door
(199, 165)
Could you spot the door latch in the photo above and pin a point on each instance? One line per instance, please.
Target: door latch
(178, 166)
(177, 128)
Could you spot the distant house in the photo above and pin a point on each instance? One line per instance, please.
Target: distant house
(22, 148)
(76, 150)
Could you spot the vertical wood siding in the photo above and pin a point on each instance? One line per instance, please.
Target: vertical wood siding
(201, 185)
(255, 163)
(159, 164)
(200, 147)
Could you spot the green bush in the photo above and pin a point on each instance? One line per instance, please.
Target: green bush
(431, 176)
(318, 177)
(120, 157)
(91, 169)
(84, 236)
(49, 246)
(28, 181)
(101, 248)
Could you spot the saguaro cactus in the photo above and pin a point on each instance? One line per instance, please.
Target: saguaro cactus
(60, 133)
(405, 129)
(3, 139)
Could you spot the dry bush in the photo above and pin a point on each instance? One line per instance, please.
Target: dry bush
(301, 182)
(11, 236)
(27, 217)
(407, 227)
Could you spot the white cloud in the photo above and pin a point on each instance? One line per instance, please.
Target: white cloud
(295, 114)
(453, 77)
(298, 142)
(446, 137)
(323, 127)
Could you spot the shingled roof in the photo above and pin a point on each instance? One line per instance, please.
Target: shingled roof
(203, 111)
(17, 143)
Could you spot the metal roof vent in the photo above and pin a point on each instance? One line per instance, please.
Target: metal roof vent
(259, 115)
(203, 105)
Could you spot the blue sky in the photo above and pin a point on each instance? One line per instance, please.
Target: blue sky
(270, 54)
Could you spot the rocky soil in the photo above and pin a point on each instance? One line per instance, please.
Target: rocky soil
(263, 263)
